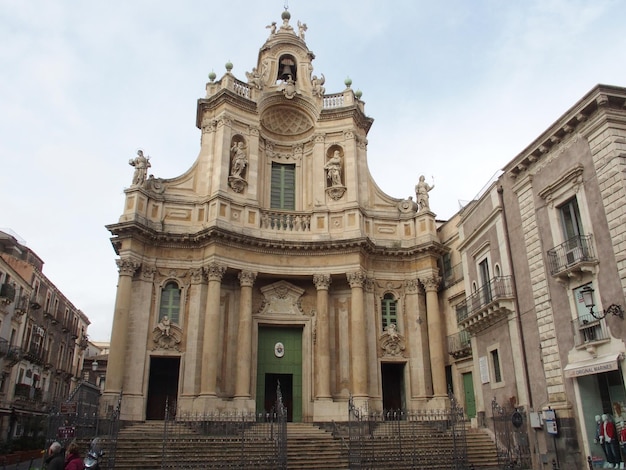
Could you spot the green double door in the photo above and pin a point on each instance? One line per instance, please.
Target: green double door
(279, 361)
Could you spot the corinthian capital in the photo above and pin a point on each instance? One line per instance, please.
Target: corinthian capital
(431, 283)
(411, 285)
(321, 281)
(247, 278)
(215, 271)
(127, 266)
(356, 278)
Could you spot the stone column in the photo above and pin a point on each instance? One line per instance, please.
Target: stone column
(244, 335)
(435, 337)
(414, 338)
(358, 348)
(195, 327)
(211, 342)
(119, 339)
(322, 337)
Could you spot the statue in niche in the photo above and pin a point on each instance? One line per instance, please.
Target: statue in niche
(333, 169)
(141, 164)
(318, 89)
(239, 159)
(421, 191)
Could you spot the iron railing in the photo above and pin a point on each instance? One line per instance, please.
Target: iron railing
(459, 344)
(407, 439)
(511, 436)
(241, 439)
(498, 288)
(576, 250)
(588, 329)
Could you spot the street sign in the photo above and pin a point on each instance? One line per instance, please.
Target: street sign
(66, 432)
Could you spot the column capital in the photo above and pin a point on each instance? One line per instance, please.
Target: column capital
(356, 278)
(369, 284)
(322, 281)
(127, 266)
(247, 278)
(196, 275)
(431, 284)
(215, 271)
(148, 272)
(411, 285)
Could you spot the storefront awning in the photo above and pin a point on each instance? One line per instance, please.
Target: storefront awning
(593, 366)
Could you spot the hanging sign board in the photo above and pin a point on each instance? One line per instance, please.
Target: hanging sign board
(549, 417)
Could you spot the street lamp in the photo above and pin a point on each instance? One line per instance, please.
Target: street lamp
(613, 309)
(94, 366)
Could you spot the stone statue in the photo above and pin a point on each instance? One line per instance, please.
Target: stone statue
(333, 169)
(421, 192)
(254, 78)
(164, 325)
(239, 159)
(318, 89)
(272, 27)
(301, 29)
(141, 165)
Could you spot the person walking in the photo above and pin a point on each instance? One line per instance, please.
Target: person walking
(56, 457)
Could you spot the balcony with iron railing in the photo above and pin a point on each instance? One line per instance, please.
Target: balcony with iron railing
(487, 305)
(459, 345)
(573, 256)
(36, 354)
(588, 331)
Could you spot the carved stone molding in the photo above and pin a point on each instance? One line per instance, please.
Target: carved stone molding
(321, 281)
(148, 272)
(247, 278)
(237, 184)
(166, 337)
(391, 343)
(215, 271)
(127, 266)
(336, 192)
(356, 278)
(196, 275)
(369, 284)
(411, 286)
(282, 298)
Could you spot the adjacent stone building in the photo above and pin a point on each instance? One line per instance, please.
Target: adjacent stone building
(544, 235)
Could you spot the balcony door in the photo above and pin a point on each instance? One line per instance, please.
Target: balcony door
(485, 287)
(572, 230)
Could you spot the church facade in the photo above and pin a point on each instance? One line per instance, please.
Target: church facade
(276, 259)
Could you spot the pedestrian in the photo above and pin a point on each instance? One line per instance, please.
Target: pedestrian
(55, 459)
(73, 460)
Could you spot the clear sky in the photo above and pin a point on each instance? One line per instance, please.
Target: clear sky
(456, 88)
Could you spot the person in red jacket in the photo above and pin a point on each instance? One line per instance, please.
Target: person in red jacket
(73, 460)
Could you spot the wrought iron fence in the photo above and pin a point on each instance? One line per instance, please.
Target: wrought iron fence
(423, 439)
(78, 419)
(511, 435)
(230, 440)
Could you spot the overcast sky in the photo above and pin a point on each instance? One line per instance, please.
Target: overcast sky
(456, 89)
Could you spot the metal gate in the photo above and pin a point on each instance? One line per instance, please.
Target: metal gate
(78, 419)
(421, 439)
(245, 439)
(511, 435)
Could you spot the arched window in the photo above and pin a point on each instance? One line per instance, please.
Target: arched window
(389, 309)
(170, 302)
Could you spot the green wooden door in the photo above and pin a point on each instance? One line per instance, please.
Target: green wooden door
(470, 399)
(279, 357)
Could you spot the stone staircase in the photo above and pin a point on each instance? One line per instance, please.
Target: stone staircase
(140, 447)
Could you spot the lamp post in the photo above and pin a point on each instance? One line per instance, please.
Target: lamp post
(613, 309)
(94, 368)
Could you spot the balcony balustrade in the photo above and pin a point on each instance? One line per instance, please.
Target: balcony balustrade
(459, 345)
(588, 330)
(574, 255)
(487, 305)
